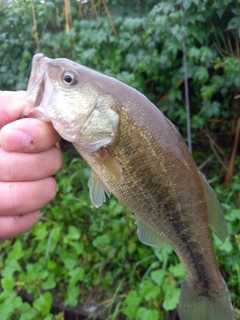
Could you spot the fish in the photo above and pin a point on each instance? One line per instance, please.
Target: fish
(138, 155)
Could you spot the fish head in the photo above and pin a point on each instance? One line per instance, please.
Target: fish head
(62, 92)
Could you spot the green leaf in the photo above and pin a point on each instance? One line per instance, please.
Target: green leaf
(234, 23)
(76, 275)
(70, 263)
(234, 215)
(27, 312)
(194, 53)
(101, 241)
(43, 274)
(8, 283)
(130, 311)
(132, 298)
(196, 2)
(79, 247)
(40, 231)
(8, 307)
(69, 259)
(50, 282)
(157, 276)
(210, 109)
(144, 314)
(171, 296)
(6, 294)
(16, 252)
(10, 267)
(43, 303)
(237, 80)
(163, 253)
(6, 310)
(16, 302)
(226, 246)
(51, 264)
(177, 270)
(148, 290)
(49, 317)
(131, 304)
(74, 233)
(236, 11)
(72, 296)
(201, 74)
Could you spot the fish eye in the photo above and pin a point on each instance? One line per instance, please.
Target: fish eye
(69, 78)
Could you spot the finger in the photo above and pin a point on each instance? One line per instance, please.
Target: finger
(13, 225)
(15, 166)
(12, 105)
(24, 197)
(28, 135)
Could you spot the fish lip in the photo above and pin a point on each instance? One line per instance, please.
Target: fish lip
(36, 90)
(34, 71)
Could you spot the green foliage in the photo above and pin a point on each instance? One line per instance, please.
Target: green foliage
(77, 254)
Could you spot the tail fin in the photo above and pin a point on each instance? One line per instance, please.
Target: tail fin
(195, 306)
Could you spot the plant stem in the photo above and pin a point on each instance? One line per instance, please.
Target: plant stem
(109, 18)
(67, 14)
(186, 87)
(233, 155)
(35, 30)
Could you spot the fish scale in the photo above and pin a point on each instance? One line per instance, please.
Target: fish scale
(138, 155)
(147, 201)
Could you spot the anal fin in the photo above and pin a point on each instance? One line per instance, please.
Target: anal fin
(148, 236)
(217, 222)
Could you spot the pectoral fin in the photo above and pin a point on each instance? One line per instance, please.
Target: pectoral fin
(112, 165)
(148, 236)
(97, 190)
(217, 221)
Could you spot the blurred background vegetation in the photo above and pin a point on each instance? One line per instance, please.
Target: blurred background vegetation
(79, 262)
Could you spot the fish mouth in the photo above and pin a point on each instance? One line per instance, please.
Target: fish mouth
(41, 94)
(38, 90)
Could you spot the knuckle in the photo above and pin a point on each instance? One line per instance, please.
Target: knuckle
(53, 160)
(52, 188)
(13, 165)
(9, 166)
(57, 158)
(9, 200)
(15, 196)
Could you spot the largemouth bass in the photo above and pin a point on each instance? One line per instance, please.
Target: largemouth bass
(136, 153)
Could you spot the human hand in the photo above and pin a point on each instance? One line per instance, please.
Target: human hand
(28, 159)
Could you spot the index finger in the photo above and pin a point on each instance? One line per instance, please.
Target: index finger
(28, 135)
(11, 106)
